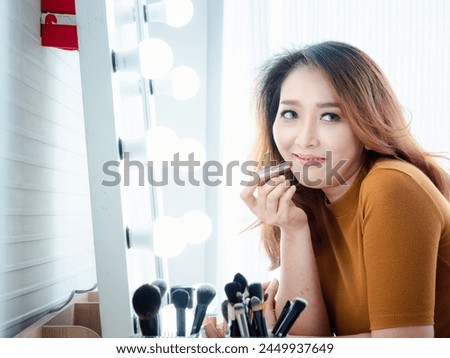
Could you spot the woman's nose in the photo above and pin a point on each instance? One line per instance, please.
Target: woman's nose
(307, 136)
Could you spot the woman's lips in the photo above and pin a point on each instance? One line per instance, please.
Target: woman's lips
(309, 160)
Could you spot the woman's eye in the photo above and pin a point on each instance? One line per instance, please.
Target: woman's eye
(289, 114)
(330, 117)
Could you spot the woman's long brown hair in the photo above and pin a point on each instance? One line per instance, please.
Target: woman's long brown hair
(367, 102)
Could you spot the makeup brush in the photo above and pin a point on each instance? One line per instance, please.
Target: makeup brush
(224, 309)
(146, 303)
(255, 290)
(260, 321)
(245, 299)
(296, 308)
(180, 299)
(241, 318)
(234, 295)
(242, 282)
(281, 318)
(161, 286)
(205, 294)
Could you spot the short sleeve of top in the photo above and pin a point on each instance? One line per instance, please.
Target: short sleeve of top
(401, 227)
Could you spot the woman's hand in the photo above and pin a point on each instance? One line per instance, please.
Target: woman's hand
(273, 204)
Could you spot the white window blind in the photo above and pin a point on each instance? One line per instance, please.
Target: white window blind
(46, 246)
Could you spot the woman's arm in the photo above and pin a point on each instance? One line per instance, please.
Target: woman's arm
(404, 332)
(299, 277)
(426, 331)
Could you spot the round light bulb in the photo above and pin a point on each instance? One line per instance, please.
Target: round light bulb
(168, 237)
(178, 12)
(197, 226)
(155, 57)
(191, 149)
(162, 143)
(185, 82)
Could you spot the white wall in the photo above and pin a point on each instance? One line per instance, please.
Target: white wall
(46, 247)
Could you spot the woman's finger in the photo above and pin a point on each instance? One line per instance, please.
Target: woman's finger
(285, 202)
(269, 186)
(273, 198)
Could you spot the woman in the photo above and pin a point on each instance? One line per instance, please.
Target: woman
(360, 227)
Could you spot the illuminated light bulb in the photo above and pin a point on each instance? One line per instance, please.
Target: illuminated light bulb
(182, 83)
(191, 149)
(164, 237)
(162, 144)
(175, 13)
(153, 58)
(157, 145)
(197, 226)
(156, 58)
(179, 12)
(185, 82)
(168, 237)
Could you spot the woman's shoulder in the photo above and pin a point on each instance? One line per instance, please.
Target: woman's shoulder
(398, 182)
(393, 172)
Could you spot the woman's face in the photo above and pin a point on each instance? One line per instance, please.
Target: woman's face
(311, 132)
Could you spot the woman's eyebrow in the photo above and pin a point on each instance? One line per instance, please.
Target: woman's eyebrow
(293, 102)
(327, 105)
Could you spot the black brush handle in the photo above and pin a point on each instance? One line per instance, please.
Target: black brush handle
(150, 327)
(281, 318)
(199, 316)
(295, 310)
(181, 322)
(261, 326)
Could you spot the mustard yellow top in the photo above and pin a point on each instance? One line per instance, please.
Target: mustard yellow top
(386, 262)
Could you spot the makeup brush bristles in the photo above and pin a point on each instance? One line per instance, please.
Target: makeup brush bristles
(256, 304)
(255, 290)
(161, 286)
(224, 310)
(242, 281)
(180, 298)
(233, 292)
(205, 294)
(146, 301)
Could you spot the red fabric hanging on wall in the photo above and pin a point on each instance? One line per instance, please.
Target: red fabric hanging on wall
(58, 24)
